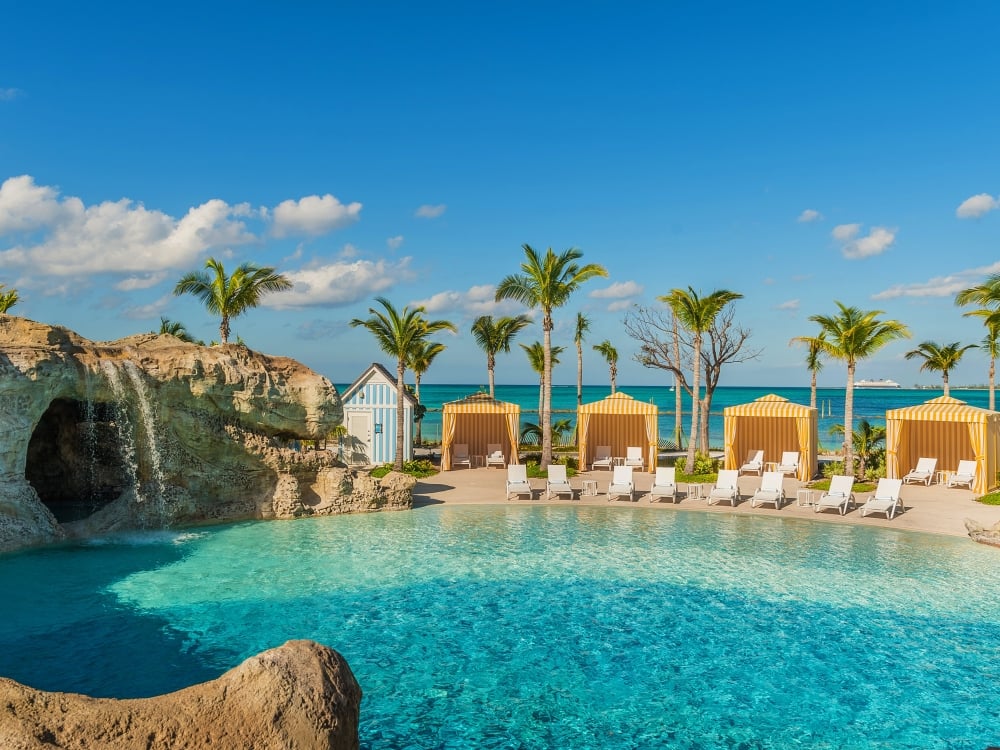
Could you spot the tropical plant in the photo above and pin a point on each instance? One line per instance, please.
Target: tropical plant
(536, 358)
(939, 358)
(176, 329)
(582, 326)
(547, 282)
(495, 336)
(421, 356)
(849, 335)
(696, 314)
(397, 333)
(987, 296)
(869, 445)
(231, 296)
(7, 299)
(560, 428)
(610, 354)
(814, 348)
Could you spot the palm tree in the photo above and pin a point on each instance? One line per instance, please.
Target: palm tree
(7, 299)
(582, 326)
(938, 358)
(610, 354)
(869, 441)
(175, 328)
(850, 335)
(421, 356)
(536, 357)
(696, 314)
(987, 296)
(231, 296)
(547, 282)
(493, 336)
(813, 362)
(397, 334)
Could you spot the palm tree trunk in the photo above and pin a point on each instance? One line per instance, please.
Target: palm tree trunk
(614, 378)
(418, 439)
(490, 364)
(224, 329)
(547, 395)
(993, 403)
(678, 395)
(849, 421)
(704, 410)
(944, 379)
(695, 401)
(579, 374)
(812, 390)
(400, 390)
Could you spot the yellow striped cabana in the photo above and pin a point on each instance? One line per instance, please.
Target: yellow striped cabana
(946, 429)
(617, 421)
(775, 425)
(478, 420)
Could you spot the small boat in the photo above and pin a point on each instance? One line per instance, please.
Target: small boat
(881, 383)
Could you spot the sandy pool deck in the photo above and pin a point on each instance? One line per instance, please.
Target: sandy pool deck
(935, 509)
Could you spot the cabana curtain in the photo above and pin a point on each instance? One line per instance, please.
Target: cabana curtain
(618, 421)
(477, 421)
(775, 425)
(946, 429)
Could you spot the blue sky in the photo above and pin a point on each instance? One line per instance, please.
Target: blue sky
(796, 153)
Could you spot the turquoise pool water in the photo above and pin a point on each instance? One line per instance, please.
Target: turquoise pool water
(561, 627)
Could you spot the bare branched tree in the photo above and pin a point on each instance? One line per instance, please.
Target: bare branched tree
(725, 343)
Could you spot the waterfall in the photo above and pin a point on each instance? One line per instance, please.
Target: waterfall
(128, 427)
(90, 441)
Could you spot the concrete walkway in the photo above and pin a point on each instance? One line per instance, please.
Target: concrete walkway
(935, 509)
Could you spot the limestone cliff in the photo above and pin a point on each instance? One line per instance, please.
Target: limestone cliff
(300, 695)
(151, 431)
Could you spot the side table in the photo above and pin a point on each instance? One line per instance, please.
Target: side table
(805, 497)
(589, 487)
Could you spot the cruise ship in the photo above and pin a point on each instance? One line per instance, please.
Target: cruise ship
(883, 383)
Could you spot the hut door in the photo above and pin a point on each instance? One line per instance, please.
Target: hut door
(359, 425)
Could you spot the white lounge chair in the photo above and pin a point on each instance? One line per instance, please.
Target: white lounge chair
(517, 481)
(621, 483)
(460, 455)
(965, 474)
(922, 472)
(789, 463)
(838, 496)
(602, 458)
(725, 487)
(886, 498)
(754, 463)
(770, 490)
(495, 456)
(664, 484)
(633, 457)
(557, 484)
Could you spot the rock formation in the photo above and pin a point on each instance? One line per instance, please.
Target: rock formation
(151, 431)
(982, 534)
(300, 696)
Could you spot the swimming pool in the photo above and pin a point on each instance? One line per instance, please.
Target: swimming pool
(532, 627)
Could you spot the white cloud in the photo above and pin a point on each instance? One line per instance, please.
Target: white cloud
(476, 301)
(430, 212)
(394, 243)
(976, 206)
(619, 305)
(313, 330)
(8, 95)
(339, 283)
(810, 214)
(67, 237)
(348, 251)
(940, 286)
(618, 290)
(313, 215)
(146, 312)
(791, 305)
(878, 240)
(140, 282)
(845, 232)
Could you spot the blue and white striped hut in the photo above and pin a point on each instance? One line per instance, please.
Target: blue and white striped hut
(370, 418)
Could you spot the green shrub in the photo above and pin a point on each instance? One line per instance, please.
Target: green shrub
(703, 464)
(535, 471)
(991, 499)
(418, 468)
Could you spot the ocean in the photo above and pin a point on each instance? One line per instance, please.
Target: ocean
(869, 403)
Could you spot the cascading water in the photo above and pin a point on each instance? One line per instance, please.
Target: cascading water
(90, 442)
(127, 429)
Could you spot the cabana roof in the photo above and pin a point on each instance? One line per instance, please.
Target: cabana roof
(480, 403)
(618, 403)
(771, 405)
(942, 409)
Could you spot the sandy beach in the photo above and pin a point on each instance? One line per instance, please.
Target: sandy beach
(935, 509)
